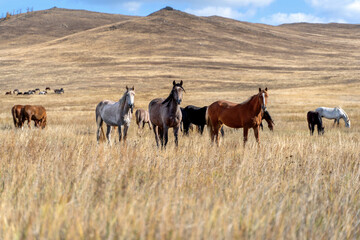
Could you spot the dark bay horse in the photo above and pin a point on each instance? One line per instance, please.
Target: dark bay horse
(237, 115)
(115, 114)
(314, 118)
(36, 113)
(165, 114)
(17, 114)
(142, 117)
(266, 116)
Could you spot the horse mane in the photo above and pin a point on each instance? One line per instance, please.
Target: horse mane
(122, 100)
(168, 99)
(249, 99)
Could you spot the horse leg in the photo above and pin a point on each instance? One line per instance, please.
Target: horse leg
(176, 131)
(334, 122)
(108, 132)
(246, 131)
(120, 134)
(256, 133)
(338, 122)
(262, 127)
(309, 125)
(29, 121)
(161, 135)
(217, 131)
(126, 127)
(312, 129)
(149, 124)
(155, 129)
(99, 123)
(143, 124)
(165, 134)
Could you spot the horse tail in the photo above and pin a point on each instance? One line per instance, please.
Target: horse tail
(13, 112)
(99, 122)
(208, 121)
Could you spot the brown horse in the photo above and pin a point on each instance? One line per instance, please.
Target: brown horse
(36, 113)
(165, 114)
(16, 112)
(142, 117)
(243, 115)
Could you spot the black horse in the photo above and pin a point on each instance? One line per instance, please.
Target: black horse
(314, 118)
(266, 116)
(192, 115)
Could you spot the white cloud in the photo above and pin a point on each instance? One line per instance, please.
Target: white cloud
(281, 18)
(242, 3)
(132, 6)
(338, 9)
(220, 11)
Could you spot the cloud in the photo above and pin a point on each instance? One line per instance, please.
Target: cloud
(281, 18)
(132, 6)
(227, 12)
(338, 9)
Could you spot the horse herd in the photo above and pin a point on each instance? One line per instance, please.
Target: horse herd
(164, 114)
(34, 91)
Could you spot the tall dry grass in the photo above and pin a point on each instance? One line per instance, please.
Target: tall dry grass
(59, 183)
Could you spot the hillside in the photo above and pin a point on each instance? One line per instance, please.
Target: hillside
(41, 26)
(170, 44)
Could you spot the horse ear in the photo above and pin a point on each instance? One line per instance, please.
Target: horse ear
(181, 82)
(259, 89)
(174, 83)
(265, 89)
(127, 89)
(133, 88)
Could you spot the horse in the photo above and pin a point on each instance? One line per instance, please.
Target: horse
(17, 114)
(195, 115)
(314, 118)
(59, 91)
(36, 113)
(142, 117)
(243, 115)
(42, 92)
(47, 89)
(115, 114)
(15, 90)
(165, 114)
(266, 116)
(334, 113)
(8, 93)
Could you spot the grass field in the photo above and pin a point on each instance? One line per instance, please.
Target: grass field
(59, 183)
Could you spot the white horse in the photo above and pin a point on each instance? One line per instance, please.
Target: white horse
(115, 114)
(334, 113)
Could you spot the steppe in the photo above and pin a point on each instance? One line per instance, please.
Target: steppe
(58, 183)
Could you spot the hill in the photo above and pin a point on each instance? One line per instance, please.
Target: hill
(171, 44)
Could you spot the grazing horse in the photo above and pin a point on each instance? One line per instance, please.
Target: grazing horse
(59, 91)
(266, 116)
(243, 115)
(314, 118)
(43, 93)
(8, 93)
(36, 113)
(47, 89)
(115, 114)
(15, 90)
(142, 117)
(17, 114)
(165, 114)
(334, 113)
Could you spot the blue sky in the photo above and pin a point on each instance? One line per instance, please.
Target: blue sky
(272, 12)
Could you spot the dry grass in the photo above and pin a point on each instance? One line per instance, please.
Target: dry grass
(59, 183)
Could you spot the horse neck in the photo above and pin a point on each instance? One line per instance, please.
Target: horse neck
(122, 104)
(173, 106)
(255, 104)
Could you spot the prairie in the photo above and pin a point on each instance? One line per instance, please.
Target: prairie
(58, 183)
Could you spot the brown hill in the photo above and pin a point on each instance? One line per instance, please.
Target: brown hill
(41, 26)
(171, 44)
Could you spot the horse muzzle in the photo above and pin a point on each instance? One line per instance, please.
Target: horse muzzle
(179, 101)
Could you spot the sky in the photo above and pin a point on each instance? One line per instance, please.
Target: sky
(273, 12)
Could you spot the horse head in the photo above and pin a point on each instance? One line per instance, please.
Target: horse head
(347, 123)
(263, 98)
(177, 91)
(130, 97)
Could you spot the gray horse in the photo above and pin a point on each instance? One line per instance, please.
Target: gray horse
(115, 114)
(165, 114)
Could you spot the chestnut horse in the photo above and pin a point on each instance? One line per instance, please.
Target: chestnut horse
(36, 113)
(16, 112)
(142, 117)
(243, 115)
(165, 114)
